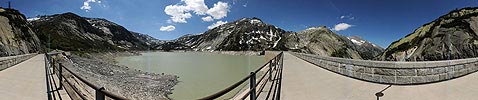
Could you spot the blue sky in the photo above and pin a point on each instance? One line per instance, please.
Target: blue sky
(379, 21)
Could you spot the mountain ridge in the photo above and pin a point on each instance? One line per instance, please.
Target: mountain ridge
(69, 31)
(73, 32)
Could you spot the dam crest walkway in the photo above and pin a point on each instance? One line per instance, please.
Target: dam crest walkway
(301, 80)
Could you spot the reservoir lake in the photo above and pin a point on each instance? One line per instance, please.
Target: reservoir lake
(200, 74)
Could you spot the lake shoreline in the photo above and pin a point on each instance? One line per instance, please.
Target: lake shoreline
(201, 73)
(101, 69)
(236, 53)
(98, 59)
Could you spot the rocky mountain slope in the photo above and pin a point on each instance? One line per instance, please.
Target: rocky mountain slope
(185, 42)
(251, 34)
(71, 32)
(241, 35)
(323, 41)
(366, 49)
(451, 36)
(16, 36)
(150, 42)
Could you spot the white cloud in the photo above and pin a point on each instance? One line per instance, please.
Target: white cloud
(342, 26)
(198, 6)
(218, 23)
(219, 10)
(342, 17)
(207, 19)
(350, 17)
(178, 13)
(181, 12)
(167, 28)
(86, 5)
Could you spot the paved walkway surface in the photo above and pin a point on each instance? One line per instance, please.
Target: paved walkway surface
(24, 81)
(304, 81)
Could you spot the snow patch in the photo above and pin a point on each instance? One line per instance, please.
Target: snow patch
(375, 45)
(33, 19)
(255, 21)
(271, 34)
(275, 43)
(262, 37)
(311, 28)
(358, 42)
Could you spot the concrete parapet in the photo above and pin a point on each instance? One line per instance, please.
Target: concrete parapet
(390, 72)
(6, 62)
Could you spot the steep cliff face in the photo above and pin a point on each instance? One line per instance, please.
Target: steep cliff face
(451, 36)
(16, 36)
(71, 32)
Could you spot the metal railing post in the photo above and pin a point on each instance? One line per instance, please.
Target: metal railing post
(53, 66)
(282, 60)
(275, 62)
(270, 70)
(99, 94)
(252, 86)
(281, 66)
(60, 75)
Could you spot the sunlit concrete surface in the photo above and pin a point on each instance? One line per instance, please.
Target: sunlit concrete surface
(24, 81)
(304, 81)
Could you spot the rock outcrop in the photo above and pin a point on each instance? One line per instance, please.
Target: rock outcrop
(16, 36)
(451, 36)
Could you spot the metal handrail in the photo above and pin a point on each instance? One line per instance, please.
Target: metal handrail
(100, 92)
(252, 78)
(47, 72)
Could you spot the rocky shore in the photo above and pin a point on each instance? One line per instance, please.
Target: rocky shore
(242, 53)
(245, 53)
(110, 56)
(121, 80)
